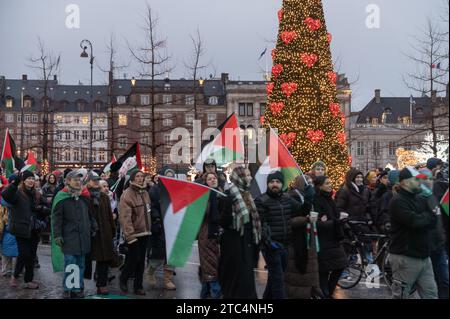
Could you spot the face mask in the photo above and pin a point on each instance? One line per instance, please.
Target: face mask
(425, 190)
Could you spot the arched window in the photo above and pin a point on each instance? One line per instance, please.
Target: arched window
(213, 100)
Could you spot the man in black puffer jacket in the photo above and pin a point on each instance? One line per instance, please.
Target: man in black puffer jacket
(276, 208)
(412, 221)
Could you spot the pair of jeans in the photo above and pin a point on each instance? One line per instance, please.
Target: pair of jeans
(27, 254)
(73, 279)
(135, 262)
(101, 269)
(211, 289)
(328, 281)
(276, 261)
(440, 268)
(407, 272)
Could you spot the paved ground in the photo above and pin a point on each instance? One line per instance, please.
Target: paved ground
(186, 280)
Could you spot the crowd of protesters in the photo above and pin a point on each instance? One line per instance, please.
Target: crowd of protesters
(297, 229)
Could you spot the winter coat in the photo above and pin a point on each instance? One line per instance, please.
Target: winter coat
(7, 240)
(330, 232)
(411, 222)
(102, 243)
(48, 192)
(276, 211)
(134, 213)
(302, 271)
(3, 184)
(73, 222)
(27, 210)
(349, 200)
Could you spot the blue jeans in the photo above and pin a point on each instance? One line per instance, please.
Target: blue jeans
(78, 260)
(440, 269)
(211, 289)
(276, 260)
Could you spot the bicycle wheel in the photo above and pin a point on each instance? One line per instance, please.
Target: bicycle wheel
(354, 271)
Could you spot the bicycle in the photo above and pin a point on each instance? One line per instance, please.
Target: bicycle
(357, 262)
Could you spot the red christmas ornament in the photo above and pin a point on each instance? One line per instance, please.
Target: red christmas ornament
(288, 36)
(309, 59)
(270, 87)
(274, 54)
(289, 88)
(329, 37)
(350, 160)
(280, 15)
(315, 136)
(277, 69)
(313, 24)
(335, 109)
(288, 139)
(276, 107)
(341, 137)
(261, 120)
(332, 76)
(343, 118)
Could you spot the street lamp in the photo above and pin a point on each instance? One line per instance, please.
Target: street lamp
(133, 81)
(84, 45)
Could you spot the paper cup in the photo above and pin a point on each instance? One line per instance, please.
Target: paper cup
(313, 216)
(343, 215)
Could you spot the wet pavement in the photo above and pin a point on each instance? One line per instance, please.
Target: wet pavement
(186, 280)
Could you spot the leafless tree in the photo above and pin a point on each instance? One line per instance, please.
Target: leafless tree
(47, 64)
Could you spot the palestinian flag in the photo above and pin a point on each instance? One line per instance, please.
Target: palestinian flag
(107, 167)
(9, 158)
(131, 152)
(279, 159)
(183, 205)
(56, 252)
(30, 163)
(226, 147)
(444, 202)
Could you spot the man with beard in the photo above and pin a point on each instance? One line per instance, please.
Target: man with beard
(276, 209)
(411, 224)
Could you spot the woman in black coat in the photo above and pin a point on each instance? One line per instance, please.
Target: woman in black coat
(332, 258)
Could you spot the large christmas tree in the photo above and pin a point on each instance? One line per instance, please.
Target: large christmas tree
(302, 92)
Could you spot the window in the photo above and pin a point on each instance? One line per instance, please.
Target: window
(121, 99)
(9, 118)
(76, 119)
(406, 120)
(241, 109)
(9, 102)
(94, 135)
(408, 146)
(392, 148)
(19, 118)
(67, 135)
(34, 118)
(85, 120)
(67, 119)
(76, 135)
(84, 155)
(213, 100)
(360, 148)
(166, 158)
(375, 121)
(145, 99)
(102, 155)
(189, 100)
(262, 108)
(101, 135)
(67, 155)
(122, 141)
(167, 99)
(167, 121)
(76, 155)
(376, 148)
(26, 103)
(59, 119)
(189, 119)
(59, 135)
(27, 118)
(144, 140)
(84, 135)
(167, 139)
(100, 120)
(81, 105)
(249, 109)
(212, 119)
(59, 155)
(145, 119)
(98, 106)
(123, 119)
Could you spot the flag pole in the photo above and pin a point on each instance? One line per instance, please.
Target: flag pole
(4, 143)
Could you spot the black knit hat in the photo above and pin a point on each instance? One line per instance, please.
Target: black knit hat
(25, 175)
(275, 175)
(133, 174)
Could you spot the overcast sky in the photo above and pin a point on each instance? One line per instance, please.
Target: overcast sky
(235, 32)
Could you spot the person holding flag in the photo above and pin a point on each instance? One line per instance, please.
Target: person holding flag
(242, 230)
(135, 221)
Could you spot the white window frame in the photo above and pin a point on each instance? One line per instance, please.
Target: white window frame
(123, 120)
(212, 119)
(167, 99)
(213, 100)
(145, 99)
(189, 119)
(189, 99)
(9, 118)
(121, 99)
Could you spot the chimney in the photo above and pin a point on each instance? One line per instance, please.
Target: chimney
(224, 77)
(24, 77)
(433, 96)
(378, 96)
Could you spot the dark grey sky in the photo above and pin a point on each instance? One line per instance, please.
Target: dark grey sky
(234, 31)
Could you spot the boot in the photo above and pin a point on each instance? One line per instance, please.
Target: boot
(151, 276)
(168, 284)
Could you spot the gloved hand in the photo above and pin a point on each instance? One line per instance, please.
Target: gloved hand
(16, 180)
(59, 241)
(309, 192)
